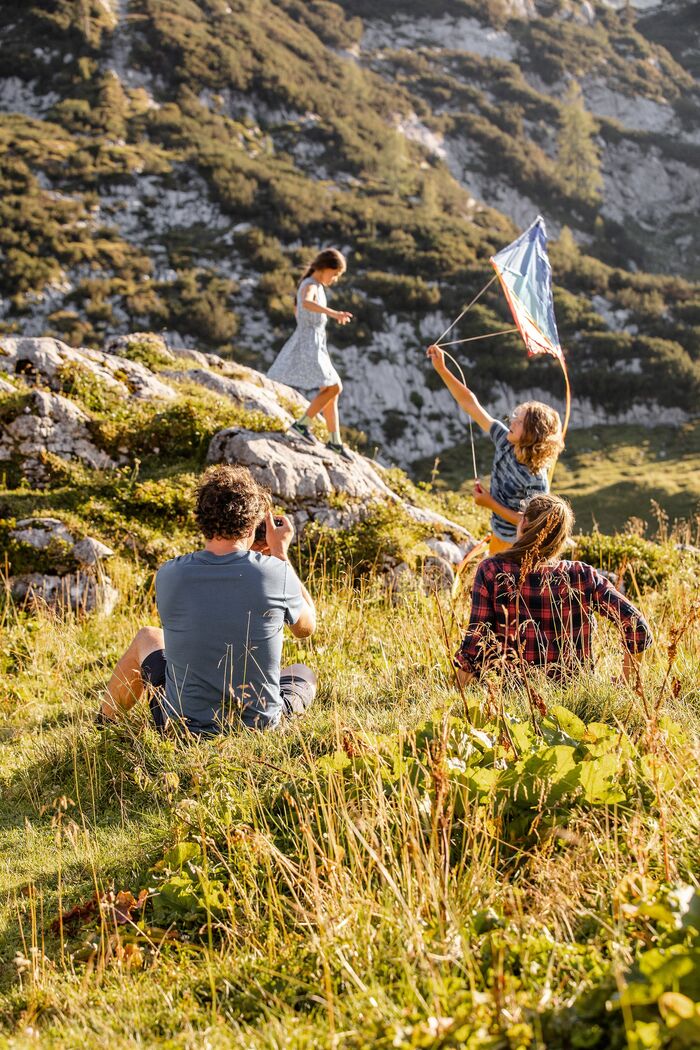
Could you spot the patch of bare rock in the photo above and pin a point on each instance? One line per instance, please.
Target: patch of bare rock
(77, 580)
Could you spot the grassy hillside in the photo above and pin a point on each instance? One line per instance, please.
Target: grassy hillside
(387, 875)
(411, 866)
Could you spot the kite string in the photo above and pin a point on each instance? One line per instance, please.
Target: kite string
(468, 307)
(471, 428)
(473, 338)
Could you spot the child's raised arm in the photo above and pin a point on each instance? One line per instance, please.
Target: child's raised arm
(462, 394)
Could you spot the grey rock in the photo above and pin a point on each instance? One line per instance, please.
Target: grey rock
(448, 550)
(39, 533)
(7, 388)
(294, 474)
(307, 478)
(120, 344)
(249, 395)
(182, 353)
(437, 574)
(43, 359)
(77, 592)
(91, 551)
(50, 423)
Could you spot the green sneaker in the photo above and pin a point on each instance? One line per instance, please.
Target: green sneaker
(301, 430)
(340, 450)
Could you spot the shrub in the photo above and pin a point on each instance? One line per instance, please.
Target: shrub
(162, 500)
(385, 535)
(640, 561)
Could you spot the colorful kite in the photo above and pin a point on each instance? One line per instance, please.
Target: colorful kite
(526, 279)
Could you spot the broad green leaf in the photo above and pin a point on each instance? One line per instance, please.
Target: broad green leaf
(334, 763)
(181, 854)
(180, 893)
(568, 721)
(597, 780)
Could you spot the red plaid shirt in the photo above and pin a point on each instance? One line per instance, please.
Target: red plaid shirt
(548, 616)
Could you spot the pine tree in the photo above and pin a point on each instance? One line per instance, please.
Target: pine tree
(577, 154)
(566, 250)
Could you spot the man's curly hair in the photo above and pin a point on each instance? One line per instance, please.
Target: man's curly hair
(230, 503)
(542, 439)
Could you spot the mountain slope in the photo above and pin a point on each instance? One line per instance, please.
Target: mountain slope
(171, 164)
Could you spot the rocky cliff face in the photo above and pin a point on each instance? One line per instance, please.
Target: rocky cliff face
(149, 183)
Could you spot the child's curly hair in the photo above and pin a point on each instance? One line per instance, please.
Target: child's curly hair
(542, 439)
(230, 503)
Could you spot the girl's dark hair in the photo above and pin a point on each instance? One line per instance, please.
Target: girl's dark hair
(328, 259)
(548, 522)
(230, 503)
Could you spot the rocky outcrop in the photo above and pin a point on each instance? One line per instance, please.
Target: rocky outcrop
(315, 484)
(52, 424)
(51, 535)
(49, 361)
(76, 581)
(78, 592)
(245, 392)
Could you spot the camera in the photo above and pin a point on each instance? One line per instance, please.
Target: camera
(261, 530)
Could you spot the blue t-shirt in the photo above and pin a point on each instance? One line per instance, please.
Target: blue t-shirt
(223, 618)
(511, 481)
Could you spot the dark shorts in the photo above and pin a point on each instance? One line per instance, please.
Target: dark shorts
(297, 690)
(153, 675)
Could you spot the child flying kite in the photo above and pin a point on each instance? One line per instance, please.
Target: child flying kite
(524, 452)
(527, 450)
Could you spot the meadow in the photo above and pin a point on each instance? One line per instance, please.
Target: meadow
(514, 866)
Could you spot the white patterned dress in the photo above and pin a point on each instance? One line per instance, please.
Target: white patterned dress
(304, 361)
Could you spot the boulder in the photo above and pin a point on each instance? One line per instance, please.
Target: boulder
(78, 592)
(90, 551)
(40, 533)
(121, 344)
(308, 479)
(249, 395)
(182, 353)
(43, 359)
(50, 423)
(448, 550)
(298, 474)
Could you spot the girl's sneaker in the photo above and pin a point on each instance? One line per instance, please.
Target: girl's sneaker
(301, 430)
(340, 450)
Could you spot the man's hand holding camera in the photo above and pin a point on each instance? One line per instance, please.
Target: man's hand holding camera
(279, 533)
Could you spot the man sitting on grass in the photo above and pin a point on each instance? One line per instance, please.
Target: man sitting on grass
(216, 660)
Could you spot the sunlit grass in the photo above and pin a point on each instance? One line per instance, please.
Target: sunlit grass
(352, 928)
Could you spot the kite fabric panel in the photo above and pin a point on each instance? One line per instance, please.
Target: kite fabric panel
(526, 278)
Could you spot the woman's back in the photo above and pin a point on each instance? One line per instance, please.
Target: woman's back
(542, 616)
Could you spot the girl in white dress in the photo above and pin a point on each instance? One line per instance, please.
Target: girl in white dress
(304, 361)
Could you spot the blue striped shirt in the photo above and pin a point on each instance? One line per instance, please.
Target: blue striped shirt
(511, 481)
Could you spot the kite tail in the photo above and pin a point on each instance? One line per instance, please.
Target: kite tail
(567, 412)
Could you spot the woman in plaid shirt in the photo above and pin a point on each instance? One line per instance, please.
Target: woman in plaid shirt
(529, 607)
